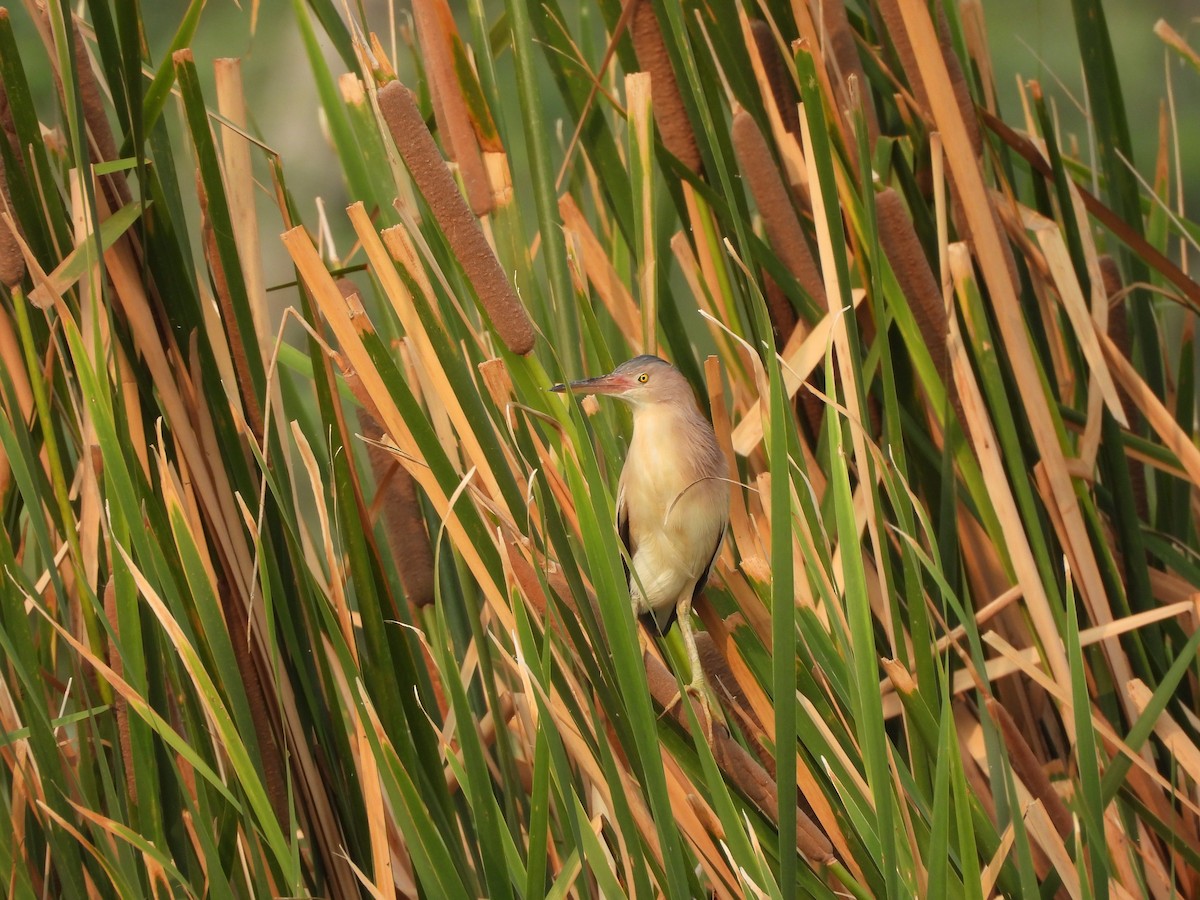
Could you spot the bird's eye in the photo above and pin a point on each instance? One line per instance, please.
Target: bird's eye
(643, 378)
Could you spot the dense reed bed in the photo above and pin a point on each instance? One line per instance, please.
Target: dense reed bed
(311, 588)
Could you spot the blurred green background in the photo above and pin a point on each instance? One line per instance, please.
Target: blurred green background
(1029, 39)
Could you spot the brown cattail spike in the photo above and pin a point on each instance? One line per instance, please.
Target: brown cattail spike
(1027, 767)
(893, 22)
(775, 205)
(407, 127)
(842, 52)
(439, 41)
(103, 146)
(907, 258)
(403, 521)
(783, 91)
(12, 263)
(669, 113)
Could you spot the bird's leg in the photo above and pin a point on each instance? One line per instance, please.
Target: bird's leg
(695, 685)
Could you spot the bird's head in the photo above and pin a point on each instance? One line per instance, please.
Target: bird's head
(641, 381)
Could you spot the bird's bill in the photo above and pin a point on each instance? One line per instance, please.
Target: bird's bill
(603, 384)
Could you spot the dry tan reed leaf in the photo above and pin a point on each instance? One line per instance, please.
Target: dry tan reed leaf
(991, 872)
(118, 684)
(1168, 588)
(1089, 446)
(996, 265)
(777, 81)
(77, 836)
(441, 48)
(1172, 38)
(1062, 273)
(1113, 286)
(1183, 750)
(13, 361)
(1178, 819)
(429, 367)
(407, 128)
(1150, 254)
(1154, 874)
(135, 428)
(93, 324)
(1042, 829)
(754, 568)
(416, 374)
(693, 818)
(235, 340)
(240, 192)
(1113, 742)
(1117, 838)
(333, 574)
(1156, 414)
(710, 267)
(977, 424)
(601, 273)
(638, 105)
(813, 793)
(915, 50)
(346, 327)
(669, 113)
(402, 868)
(847, 372)
(171, 384)
(797, 364)
(1000, 667)
(117, 830)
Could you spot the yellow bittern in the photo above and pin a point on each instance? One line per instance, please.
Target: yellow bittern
(672, 500)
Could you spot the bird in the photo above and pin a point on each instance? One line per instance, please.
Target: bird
(672, 497)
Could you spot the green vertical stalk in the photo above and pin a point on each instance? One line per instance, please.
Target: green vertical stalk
(537, 143)
(783, 627)
(1107, 108)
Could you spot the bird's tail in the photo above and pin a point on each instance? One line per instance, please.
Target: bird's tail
(660, 622)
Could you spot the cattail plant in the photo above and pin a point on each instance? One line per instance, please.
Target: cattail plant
(312, 588)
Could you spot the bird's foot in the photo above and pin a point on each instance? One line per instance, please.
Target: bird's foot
(697, 691)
